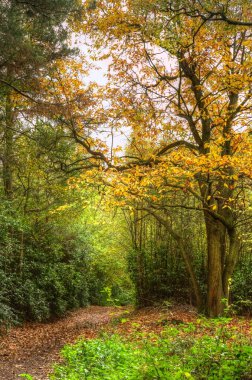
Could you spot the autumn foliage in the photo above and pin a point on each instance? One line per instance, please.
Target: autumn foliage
(183, 88)
(165, 141)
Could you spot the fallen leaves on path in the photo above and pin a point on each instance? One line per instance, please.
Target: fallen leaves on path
(34, 347)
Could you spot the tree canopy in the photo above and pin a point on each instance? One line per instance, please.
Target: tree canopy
(179, 89)
(184, 88)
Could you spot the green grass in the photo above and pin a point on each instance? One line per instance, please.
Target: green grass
(207, 350)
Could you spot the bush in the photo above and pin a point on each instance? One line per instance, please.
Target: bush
(241, 290)
(40, 278)
(178, 354)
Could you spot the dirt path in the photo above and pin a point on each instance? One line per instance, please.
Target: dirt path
(35, 347)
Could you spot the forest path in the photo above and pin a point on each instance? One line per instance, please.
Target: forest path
(34, 347)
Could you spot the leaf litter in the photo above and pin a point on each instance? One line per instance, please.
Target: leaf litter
(35, 347)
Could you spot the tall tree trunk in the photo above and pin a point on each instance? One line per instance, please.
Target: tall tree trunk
(222, 258)
(215, 291)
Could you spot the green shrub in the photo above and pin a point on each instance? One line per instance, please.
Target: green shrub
(107, 359)
(178, 354)
(241, 290)
(43, 277)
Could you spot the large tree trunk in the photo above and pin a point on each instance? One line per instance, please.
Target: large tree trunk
(215, 291)
(222, 258)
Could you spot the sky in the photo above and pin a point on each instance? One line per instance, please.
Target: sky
(98, 75)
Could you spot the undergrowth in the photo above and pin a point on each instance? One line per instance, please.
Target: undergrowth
(204, 350)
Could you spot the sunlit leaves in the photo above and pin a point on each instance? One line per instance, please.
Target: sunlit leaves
(182, 88)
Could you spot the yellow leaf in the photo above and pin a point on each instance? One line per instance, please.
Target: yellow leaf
(188, 375)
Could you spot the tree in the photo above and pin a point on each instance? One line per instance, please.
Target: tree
(185, 90)
(33, 36)
(231, 12)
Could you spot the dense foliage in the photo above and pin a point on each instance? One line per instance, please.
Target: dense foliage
(177, 354)
(47, 261)
(167, 214)
(42, 274)
(158, 269)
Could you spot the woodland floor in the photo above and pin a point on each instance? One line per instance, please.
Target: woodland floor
(34, 347)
